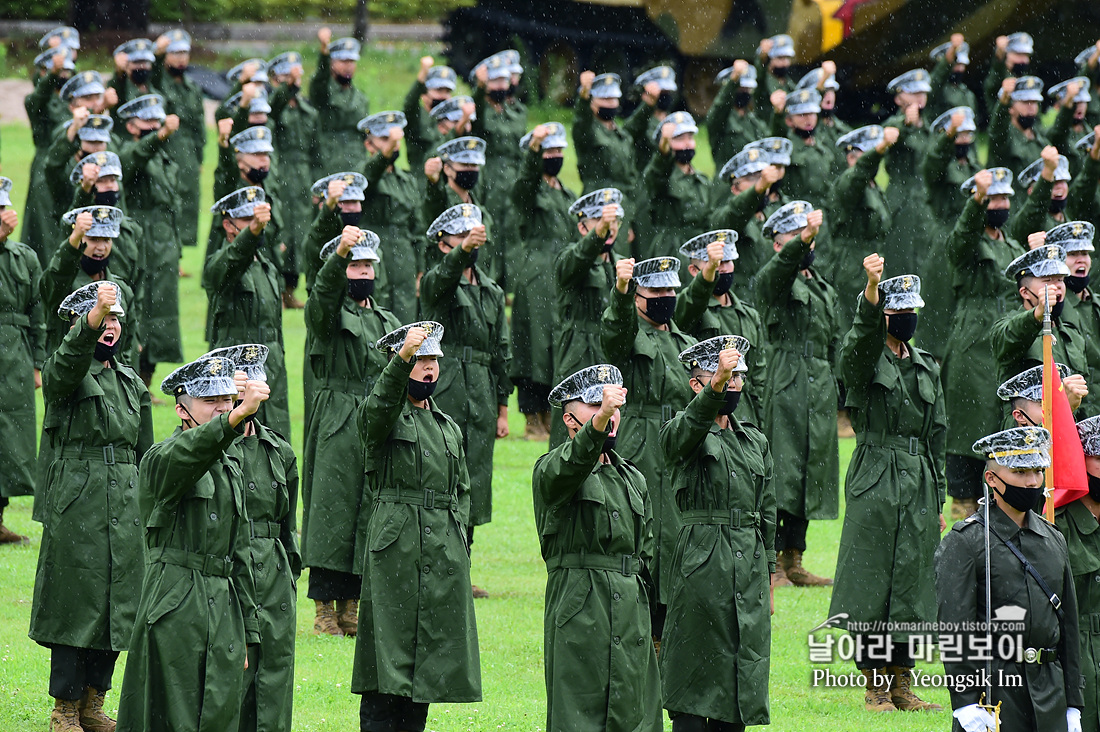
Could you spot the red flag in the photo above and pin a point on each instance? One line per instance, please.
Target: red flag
(1067, 457)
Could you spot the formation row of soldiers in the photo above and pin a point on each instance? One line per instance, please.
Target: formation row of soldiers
(603, 295)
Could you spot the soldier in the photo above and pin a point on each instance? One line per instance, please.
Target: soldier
(343, 321)
(676, 193)
(434, 85)
(472, 389)
(198, 625)
(895, 487)
(93, 543)
(600, 667)
(657, 93)
(247, 76)
(731, 121)
(1046, 693)
(133, 76)
(339, 104)
(722, 479)
(1077, 521)
(23, 329)
(341, 197)
(800, 314)
(708, 307)
(949, 89)
(905, 195)
(811, 161)
(1011, 59)
(149, 176)
(242, 286)
(1071, 98)
(1023, 395)
(977, 253)
(949, 162)
(637, 332)
(773, 66)
(270, 471)
(1076, 238)
(454, 177)
(64, 37)
(1014, 140)
(861, 218)
(1089, 176)
(1048, 203)
(546, 227)
(823, 79)
(392, 205)
(416, 561)
(1017, 337)
(184, 98)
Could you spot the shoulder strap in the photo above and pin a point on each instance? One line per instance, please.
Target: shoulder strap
(1055, 601)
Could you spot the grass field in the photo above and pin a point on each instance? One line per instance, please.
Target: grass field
(506, 558)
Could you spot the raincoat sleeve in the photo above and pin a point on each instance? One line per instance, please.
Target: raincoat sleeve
(229, 263)
(1013, 335)
(963, 241)
(560, 473)
(36, 314)
(692, 302)
(1031, 217)
(656, 174)
(57, 280)
(327, 296)
(380, 410)
(69, 364)
(682, 435)
(441, 281)
(736, 211)
(934, 166)
(319, 82)
(863, 344)
(175, 465)
(618, 327)
(576, 259)
(775, 278)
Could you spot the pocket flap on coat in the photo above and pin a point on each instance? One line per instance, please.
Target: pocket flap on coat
(390, 530)
(172, 598)
(580, 584)
(698, 552)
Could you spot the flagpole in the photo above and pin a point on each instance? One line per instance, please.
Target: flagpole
(1048, 399)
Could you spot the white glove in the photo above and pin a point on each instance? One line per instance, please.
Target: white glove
(1073, 719)
(974, 719)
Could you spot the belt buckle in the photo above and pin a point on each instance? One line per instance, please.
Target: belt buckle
(429, 498)
(1031, 655)
(735, 518)
(109, 455)
(914, 446)
(666, 413)
(467, 354)
(251, 529)
(808, 351)
(626, 564)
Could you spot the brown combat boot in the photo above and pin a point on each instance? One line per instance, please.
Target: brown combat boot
(536, 431)
(901, 692)
(963, 508)
(347, 616)
(779, 576)
(876, 697)
(65, 716)
(92, 716)
(290, 302)
(325, 622)
(799, 575)
(7, 536)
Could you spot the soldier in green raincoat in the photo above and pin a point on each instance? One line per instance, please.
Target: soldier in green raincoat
(800, 312)
(473, 385)
(337, 207)
(1078, 522)
(197, 622)
(1081, 307)
(829, 128)
(895, 488)
(812, 158)
(1011, 59)
(716, 650)
(90, 564)
(731, 122)
(908, 243)
(426, 131)
(343, 322)
(676, 193)
(1049, 201)
(948, 82)
(392, 206)
(243, 288)
(546, 226)
(23, 329)
(1014, 138)
(85, 135)
(594, 517)
(708, 307)
(339, 104)
(978, 251)
(417, 641)
(773, 66)
(638, 335)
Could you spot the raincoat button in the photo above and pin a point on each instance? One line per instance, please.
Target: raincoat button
(616, 639)
(213, 517)
(427, 569)
(251, 486)
(738, 595)
(274, 484)
(617, 596)
(427, 529)
(450, 570)
(283, 606)
(923, 511)
(427, 453)
(114, 522)
(739, 555)
(811, 379)
(259, 566)
(614, 514)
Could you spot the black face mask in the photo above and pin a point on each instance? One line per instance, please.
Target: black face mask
(808, 260)
(1077, 284)
(995, 218)
(552, 166)
(177, 72)
(433, 103)
(660, 309)
(956, 77)
(360, 290)
(1019, 497)
(780, 72)
(350, 218)
(607, 113)
(684, 156)
(902, 325)
(732, 398)
(512, 88)
(804, 134)
(1026, 121)
(106, 198)
(664, 101)
(140, 76)
(473, 257)
(723, 282)
(774, 187)
(1094, 487)
(741, 99)
(146, 132)
(466, 179)
(395, 155)
(421, 390)
(609, 443)
(826, 113)
(1021, 69)
(1056, 309)
(342, 80)
(962, 150)
(256, 175)
(498, 95)
(1057, 205)
(92, 266)
(104, 351)
(608, 246)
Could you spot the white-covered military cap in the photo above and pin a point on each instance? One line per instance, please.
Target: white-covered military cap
(782, 46)
(365, 247)
(147, 106)
(962, 53)
(80, 303)
(208, 376)
(85, 84)
(746, 162)
(864, 138)
(913, 81)
(69, 38)
(812, 78)
(179, 41)
(380, 124)
(590, 205)
(468, 150)
(257, 105)
(1086, 142)
(5, 191)
(586, 385)
(139, 50)
(344, 49)
(392, 341)
(107, 161)
(106, 220)
(777, 149)
(901, 293)
(441, 77)
(704, 354)
(555, 139)
(803, 101)
(255, 141)
(665, 76)
(240, 204)
(497, 66)
(1024, 448)
(696, 247)
(1082, 58)
(1028, 384)
(355, 185)
(251, 358)
(747, 80)
(788, 218)
(1020, 43)
(1056, 92)
(657, 272)
(1028, 89)
(259, 75)
(284, 63)
(1073, 236)
(1031, 173)
(1049, 260)
(513, 58)
(451, 109)
(1000, 186)
(607, 86)
(455, 220)
(97, 128)
(1089, 431)
(942, 122)
(682, 123)
(44, 60)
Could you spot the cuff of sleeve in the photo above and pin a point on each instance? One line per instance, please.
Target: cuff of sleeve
(770, 557)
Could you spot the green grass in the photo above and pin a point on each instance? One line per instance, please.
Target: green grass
(505, 559)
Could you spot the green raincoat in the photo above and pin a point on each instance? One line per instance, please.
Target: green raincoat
(677, 204)
(339, 109)
(183, 97)
(392, 210)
